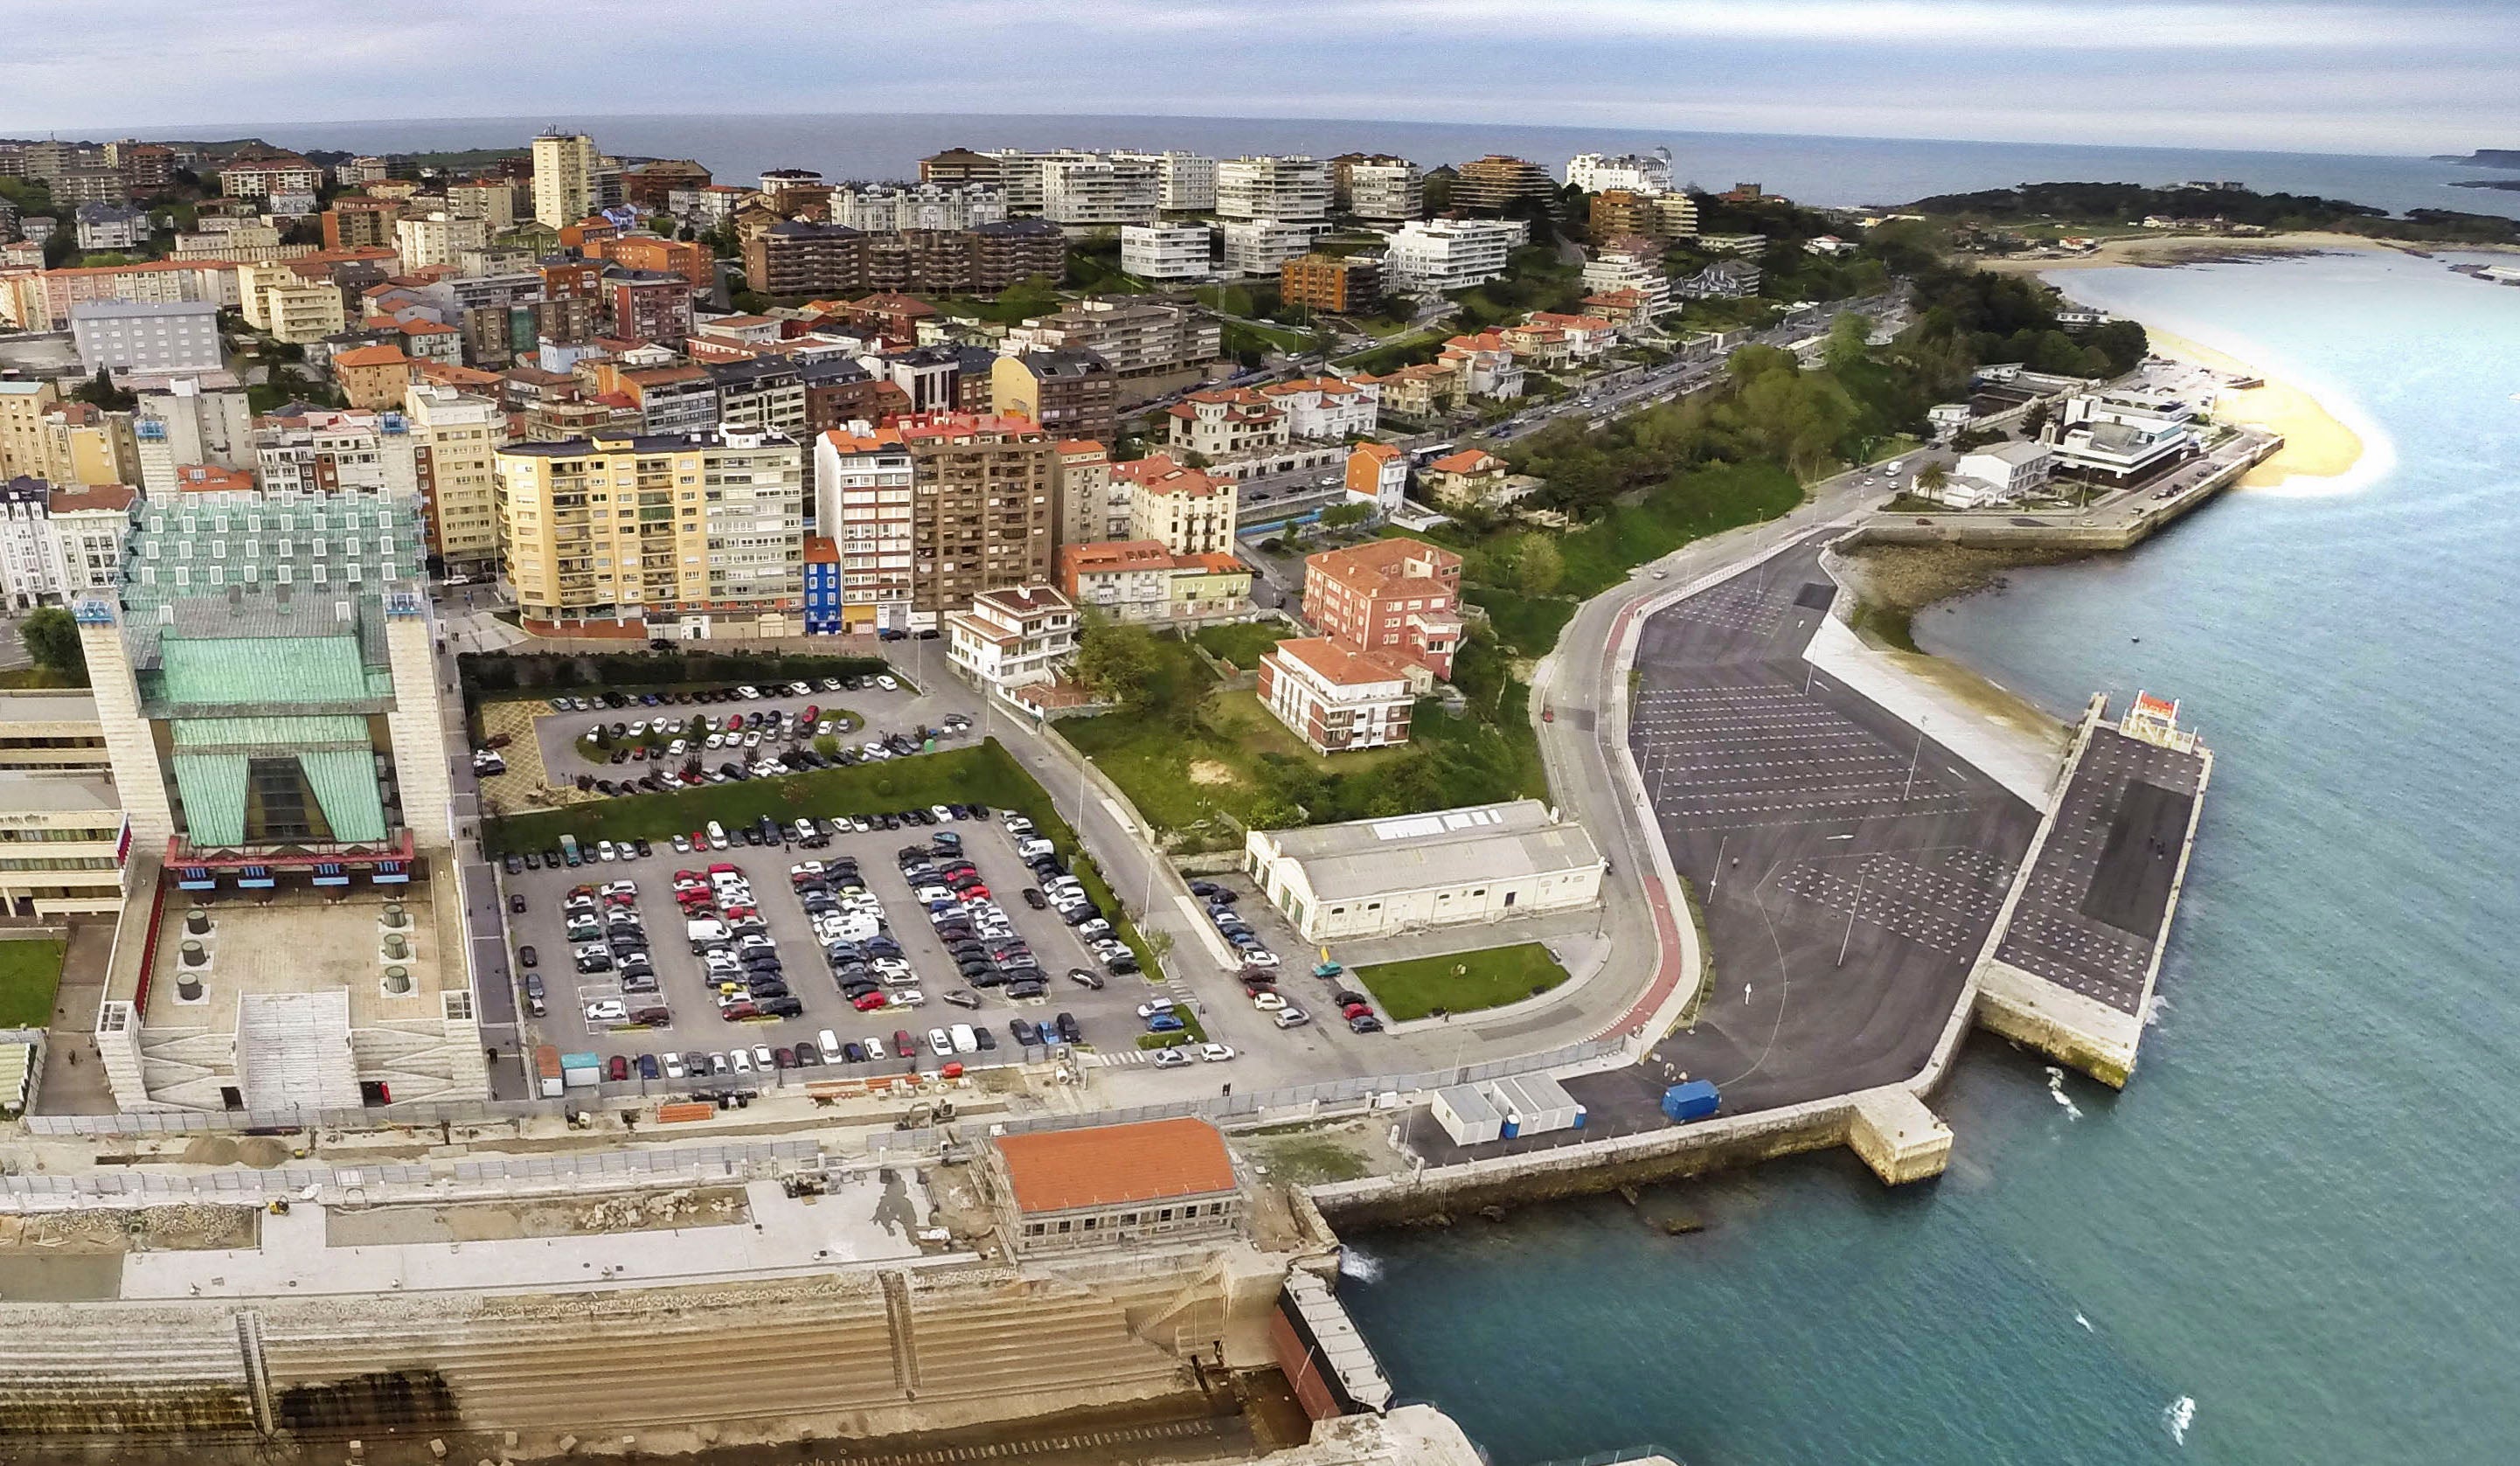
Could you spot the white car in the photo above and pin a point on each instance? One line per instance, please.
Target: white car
(1155, 1006)
(801, 689)
(887, 684)
(607, 1010)
(1291, 1017)
(909, 997)
(673, 1064)
(682, 844)
(1267, 1003)
(940, 1043)
(1260, 959)
(748, 694)
(1171, 1058)
(1215, 1053)
(763, 1059)
(742, 1060)
(834, 684)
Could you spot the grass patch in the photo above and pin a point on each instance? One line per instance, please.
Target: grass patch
(1690, 507)
(1242, 644)
(1399, 352)
(1461, 981)
(1527, 623)
(30, 972)
(24, 678)
(1310, 1159)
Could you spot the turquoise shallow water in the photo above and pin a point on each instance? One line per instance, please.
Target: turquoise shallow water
(2300, 1214)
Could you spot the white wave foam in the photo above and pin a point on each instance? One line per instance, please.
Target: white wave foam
(2056, 1088)
(2153, 1007)
(2179, 1414)
(1363, 1267)
(2085, 1322)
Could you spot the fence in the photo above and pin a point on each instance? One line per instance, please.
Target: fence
(504, 1176)
(1248, 1106)
(294, 1118)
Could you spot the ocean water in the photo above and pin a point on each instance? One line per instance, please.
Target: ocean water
(2292, 1238)
(1822, 170)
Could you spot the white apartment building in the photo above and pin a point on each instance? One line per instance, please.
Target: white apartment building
(1336, 697)
(1385, 191)
(890, 208)
(863, 490)
(1188, 512)
(1185, 182)
(1429, 256)
(203, 416)
(437, 238)
(89, 526)
(347, 453)
(459, 436)
(565, 165)
(1168, 252)
(1099, 193)
(262, 180)
(110, 226)
(1327, 409)
(1258, 247)
(137, 336)
(1294, 188)
(1640, 269)
(1635, 172)
(28, 577)
(493, 203)
(1012, 638)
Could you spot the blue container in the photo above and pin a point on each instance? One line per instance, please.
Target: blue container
(1695, 1100)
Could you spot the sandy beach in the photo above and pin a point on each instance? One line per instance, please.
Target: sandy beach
(2315, 444)
(2169, 251)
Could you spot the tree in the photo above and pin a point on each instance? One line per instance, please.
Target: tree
(1538, 567)
(1117, 663)
(52, 638)
(100, 392)
(2035, 421)
(1931, 477)
(1341, 515)
(1847, 336)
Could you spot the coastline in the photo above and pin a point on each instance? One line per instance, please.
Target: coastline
(2321, 453)
(2171, 250)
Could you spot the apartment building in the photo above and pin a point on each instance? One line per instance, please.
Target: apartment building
(1225, 422)
(1431, 257)
(290, 307)
(1497, 182)
(650, 187)
(436, 238)
(23, 406)
(1084, 194)
(765, 391)
(983, 511)
(1140, 580)
(88, 444)
(147, 336)
(1012, 638)
(794, 260)
(374, 377)
(1336, 697)
(1402, 597)
(356, 221)
(961, 165)
(1630, 172)
(862, 493)
(261, 178)
(456, 439)
(1337, 284)
(1630, 262)
(204, 415)
(1168, 250)
(370, 454)
(1620, 212)
(110, 226)
(490, 201)
(52, 731)
(892, 208)
(29, 573)
(647, 305)
(87, 526)
(1181, 508)
(1093, 505)
(654, 255)
(668, 399)
(1377, 188)
(1262, 246)
(1067, 393)
(1326, 409)
(1134, 336)
(1294, 189)
(1185, 182)
(565, 165)
(681, 535)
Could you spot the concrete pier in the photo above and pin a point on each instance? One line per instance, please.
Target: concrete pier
(1897, 1137)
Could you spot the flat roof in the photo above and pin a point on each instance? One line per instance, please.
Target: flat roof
(1099, 1166)
(28, 791)
(92, 310)
(1446, 848)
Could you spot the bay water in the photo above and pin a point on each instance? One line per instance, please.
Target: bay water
(2293, 1237)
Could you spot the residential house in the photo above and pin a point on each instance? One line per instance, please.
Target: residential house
(1183, 509)
(1326, 409)
(1225, 422)
(1012, 637)
(374, 377)
(1378, 475)
(1724, 280)
(1465, 479)
(1398, 596)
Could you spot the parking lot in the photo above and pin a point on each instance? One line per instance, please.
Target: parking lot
(873, 711)
(1106, 1017)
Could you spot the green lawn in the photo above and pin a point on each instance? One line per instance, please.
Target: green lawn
(30, 973)
(1528, 623)
(1461, 981)
(1242, 644)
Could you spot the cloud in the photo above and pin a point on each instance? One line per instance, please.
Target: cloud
(2327, 74)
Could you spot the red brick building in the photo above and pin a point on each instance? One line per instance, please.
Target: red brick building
(1397, 596)
(650, 307)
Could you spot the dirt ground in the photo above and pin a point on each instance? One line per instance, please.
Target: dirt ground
(180, 1228)
(495, 1222)
(261, 1152)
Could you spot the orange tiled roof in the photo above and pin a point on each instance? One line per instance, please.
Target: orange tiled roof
(1467, 461)
(1058, 1171)
(1339, 664)
(372, 356)
(1159, 473)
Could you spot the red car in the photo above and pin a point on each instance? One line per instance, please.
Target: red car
(903, 1045)
(1355, 1010)
(724, 868)
(617, 1069)
(868, 1003)
(734, 1011)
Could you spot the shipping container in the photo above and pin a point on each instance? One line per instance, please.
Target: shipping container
(1533, 1105)
(1695, 1100)
(547, 1071)
(582, 1070)
(1467, 1116)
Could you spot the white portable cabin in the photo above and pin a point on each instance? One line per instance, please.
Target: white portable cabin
(1467, 1116)
(1534, 1105)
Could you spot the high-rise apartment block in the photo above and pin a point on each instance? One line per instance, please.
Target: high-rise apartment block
(1294, 189)
(565, 165)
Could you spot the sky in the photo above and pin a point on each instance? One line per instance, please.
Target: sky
(2302, 75)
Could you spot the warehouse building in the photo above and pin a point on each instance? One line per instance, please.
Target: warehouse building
(1375, 877)
(1153, 1182)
